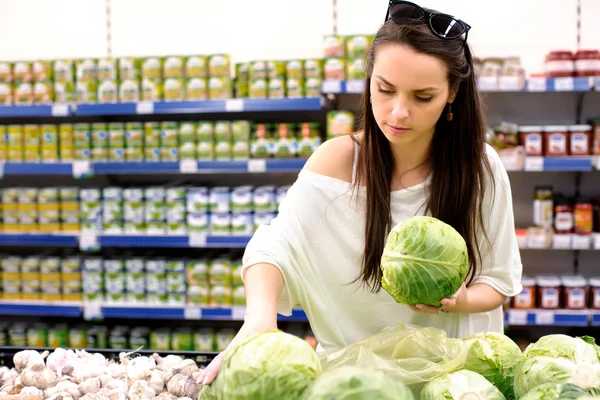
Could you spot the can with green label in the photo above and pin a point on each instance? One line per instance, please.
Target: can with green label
(182, 340)
(58, 336)
(152, 134)
(37, 336)
(160, 339)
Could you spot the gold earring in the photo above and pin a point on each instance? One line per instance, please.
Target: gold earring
(449, 116)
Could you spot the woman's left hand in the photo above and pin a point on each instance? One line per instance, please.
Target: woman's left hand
(450, 304)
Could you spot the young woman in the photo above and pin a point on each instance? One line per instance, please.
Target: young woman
(421, 151)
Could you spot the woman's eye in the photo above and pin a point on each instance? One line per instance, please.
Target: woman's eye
(382, 90)
(424, 99)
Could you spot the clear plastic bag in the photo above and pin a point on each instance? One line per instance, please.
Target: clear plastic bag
(412, 354)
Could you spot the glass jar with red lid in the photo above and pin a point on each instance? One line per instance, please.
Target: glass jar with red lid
(583, 217)
(556, 140)
(560, 63)
(580, 140)
(563, 215)
(587, 63)
(532, 138)
(575, 292)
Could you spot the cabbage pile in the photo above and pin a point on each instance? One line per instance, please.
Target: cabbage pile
(424, 261)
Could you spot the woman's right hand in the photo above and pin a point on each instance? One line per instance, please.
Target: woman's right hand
(248, 329)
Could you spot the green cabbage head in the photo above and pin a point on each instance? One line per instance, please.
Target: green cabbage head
(556, 391)
(494, 356)
(461, 385)
(424, 261)
(355, 383)
(268, 366)
(558, 359)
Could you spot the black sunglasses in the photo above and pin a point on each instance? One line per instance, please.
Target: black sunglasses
(443, 26)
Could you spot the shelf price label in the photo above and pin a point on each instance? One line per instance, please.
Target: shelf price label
(581, 242)
(60, 110)
(597, 241)
(92, 311)
(534, 164)
(188, 166)
(561, 242)
(238, 313)
(565, 84)
(234, 105)
(509, 83)
(488, 83)
(197, 240)
(192, 313)
(257, 165)
(332, 86)
(544, 317)
(517, 317)
(355, 86)
(88, 241)
(536, 85)
(82, 169)
(144, 107)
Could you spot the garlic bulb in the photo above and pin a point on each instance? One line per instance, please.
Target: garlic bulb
(8, 375)
(31, 391)
(140, 390)
(183, 386)
(118, 385)
(91, 385)
(61, 361)
(60, 396)
(156, 380)
(104, 379)
(139, 368)
(83, 370)
(27, 358)
(38, 376)
(170, 361)
(117, 371)
(186, 367)
(7, 389)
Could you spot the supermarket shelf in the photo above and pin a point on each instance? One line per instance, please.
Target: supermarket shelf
(575, 84)
(172, 241)
(200, 107)
(551, 164)
(55, 110)
(139, 168)
(574, 318)
(39, 308)
(10, 239)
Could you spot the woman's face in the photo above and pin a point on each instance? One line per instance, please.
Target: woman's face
(409, 92)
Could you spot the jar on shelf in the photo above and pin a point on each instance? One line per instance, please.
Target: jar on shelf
(580, 139)
(563, 216)
(587, 63)
(557, 140)
(559, 64)
(583, 216)
(574, 292)
(595, 293)
(532, 138)
(526, 299)
(595, 136)
(549, 292)
(543, 206)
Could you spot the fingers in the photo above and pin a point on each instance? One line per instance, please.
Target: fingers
(425, 309)
(210, 373)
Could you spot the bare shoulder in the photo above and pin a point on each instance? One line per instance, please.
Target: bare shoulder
(333, 158)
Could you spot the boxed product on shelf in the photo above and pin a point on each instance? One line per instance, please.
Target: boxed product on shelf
(340, 123)
(6, 72)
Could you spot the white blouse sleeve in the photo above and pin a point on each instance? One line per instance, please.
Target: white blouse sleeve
(501, 261)
(284, 244)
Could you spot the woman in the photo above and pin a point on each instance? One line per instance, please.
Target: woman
(421, 151)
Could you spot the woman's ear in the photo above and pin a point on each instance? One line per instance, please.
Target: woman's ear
(453, 93)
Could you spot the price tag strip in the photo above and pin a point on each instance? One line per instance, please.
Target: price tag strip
(192, 313)
(257, 166)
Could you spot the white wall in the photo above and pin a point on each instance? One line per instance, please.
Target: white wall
(272, 29)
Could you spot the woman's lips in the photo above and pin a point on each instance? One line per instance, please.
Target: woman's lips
(397, 129)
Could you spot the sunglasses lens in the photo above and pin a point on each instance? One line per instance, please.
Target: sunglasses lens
(405, 11)
(446, 26)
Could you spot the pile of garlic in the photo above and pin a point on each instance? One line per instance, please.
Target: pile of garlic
(72, 375)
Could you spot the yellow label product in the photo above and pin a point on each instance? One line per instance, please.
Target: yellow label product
(173, 67)
(220, 88)
(14, 155)
(277, 88)
(63, 71)
(169, 154)
(66, 154)
(82, 136)
(87, 92)
(134, 154)
(49, 153)
(242, 71)
(116, 135)
(64, 92)
(196, 67)
(357, 45)
(99, 135)
(107, 69)
(31, 154)
(294, 69)
(43, 92)
(152, 154)
(276, 69)
(108, 91)
(49, 134)
(339, 123)
(313, 68)
(129, 68)
(129, 90)
(86, 70)
(43, 71)
(152, 89)
(6, 72)
(312, 87)
(116, 154)
(355, 69)
(219, 65)
(152, 67)
(32, 135)
(258, 70)
(334, 69)
(173, 89)
(99, 154)
(295, 88)
(196, 89)
(22, 71)
(23, 93)
(259, 88)
(6, 94)
(48, 198)
(65, 133)
(334, 46)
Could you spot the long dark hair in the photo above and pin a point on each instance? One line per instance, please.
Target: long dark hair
(458, 156)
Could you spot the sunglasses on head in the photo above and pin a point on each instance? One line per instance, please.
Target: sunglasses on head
(443, 26)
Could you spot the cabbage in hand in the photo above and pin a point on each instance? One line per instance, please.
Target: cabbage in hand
(461, 385)
(355, 383)
(494, 356)
(424, 261)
